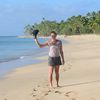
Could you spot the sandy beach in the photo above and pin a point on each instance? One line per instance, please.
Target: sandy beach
(79, 77)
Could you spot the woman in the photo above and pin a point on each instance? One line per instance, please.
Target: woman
(56, 56)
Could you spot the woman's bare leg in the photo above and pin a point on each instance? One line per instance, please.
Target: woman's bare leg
(50, 76)
(57, 74)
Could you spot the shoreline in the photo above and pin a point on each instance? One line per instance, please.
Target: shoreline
(7, 67)
(79, 77)
(10, 66)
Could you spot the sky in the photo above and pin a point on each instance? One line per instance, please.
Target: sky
(16, 14)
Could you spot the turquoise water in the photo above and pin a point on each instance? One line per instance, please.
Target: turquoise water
(16, 52)
(12, 48)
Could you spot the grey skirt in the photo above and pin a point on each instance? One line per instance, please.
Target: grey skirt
(53, 61)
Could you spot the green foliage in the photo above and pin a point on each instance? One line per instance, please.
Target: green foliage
(73, 25)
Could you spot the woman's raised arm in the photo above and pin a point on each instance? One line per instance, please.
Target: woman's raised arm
(40, 45)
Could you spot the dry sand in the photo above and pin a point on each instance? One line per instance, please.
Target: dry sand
(79, 77)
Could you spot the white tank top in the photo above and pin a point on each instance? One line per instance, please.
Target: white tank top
(54, 49)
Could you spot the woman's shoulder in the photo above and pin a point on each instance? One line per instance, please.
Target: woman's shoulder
(59, 42)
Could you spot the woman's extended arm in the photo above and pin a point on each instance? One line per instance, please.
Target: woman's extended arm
(62, 55)
(40, 45)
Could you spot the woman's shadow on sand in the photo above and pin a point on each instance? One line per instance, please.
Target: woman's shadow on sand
(81, 83)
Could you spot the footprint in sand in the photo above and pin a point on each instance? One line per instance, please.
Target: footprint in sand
(34, 90)
(71, 95)
(45, 94)
(5, 98)
(93, 98)
(67, 93)
(34, 93)
(40, 92)
(58, 92)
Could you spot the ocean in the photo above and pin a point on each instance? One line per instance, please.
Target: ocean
(16, 52)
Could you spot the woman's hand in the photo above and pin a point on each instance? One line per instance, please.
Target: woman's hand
(62, 55)
(63, 61)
